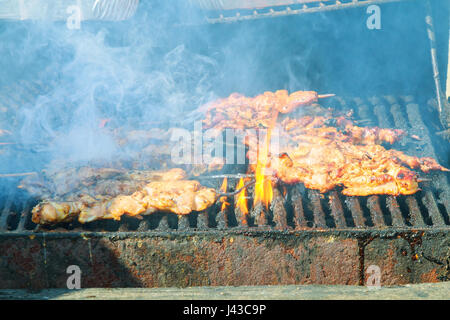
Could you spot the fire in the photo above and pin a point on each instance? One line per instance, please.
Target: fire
(223, 188)
(241, 202)
(263, 184)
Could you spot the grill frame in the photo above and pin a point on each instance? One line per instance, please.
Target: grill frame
(294, 249)
(228, 15)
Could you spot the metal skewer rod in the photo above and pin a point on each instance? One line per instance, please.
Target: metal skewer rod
(7, 175)
(328, 95)
(442, 105)
(230, 194)
(232, 176)
(424, 180)
(447, 94)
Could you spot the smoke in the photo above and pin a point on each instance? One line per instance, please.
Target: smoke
(130, 74)
(153, 69)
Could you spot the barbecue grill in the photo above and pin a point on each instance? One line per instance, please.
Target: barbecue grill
(305, 237)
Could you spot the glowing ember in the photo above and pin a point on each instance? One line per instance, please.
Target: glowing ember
(241, 202)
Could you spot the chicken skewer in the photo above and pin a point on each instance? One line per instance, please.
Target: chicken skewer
(339, 128)
(323, 156)
(362, 170)
(180, 197)
(240, 112)
(171, 193)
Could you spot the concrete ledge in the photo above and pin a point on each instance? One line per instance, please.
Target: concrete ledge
(439, 291)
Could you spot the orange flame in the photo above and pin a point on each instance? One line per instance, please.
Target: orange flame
(263, 184)
(241, 202)
(223, 188)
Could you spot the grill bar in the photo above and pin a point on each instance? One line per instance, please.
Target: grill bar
(279, 210)
(319, 214)
(202, 220)
(163, 224)
(396, 214)
(364, 112)
(416, 218)
(297, 206)
(183, 223)
(429, 201)
(6, 212)
(337, 210)
(23, 216)
(259, 214)
(357, 213)
(440, 182)
(373, 203)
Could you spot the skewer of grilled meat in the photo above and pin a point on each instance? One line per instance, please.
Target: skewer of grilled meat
(340, 128)
(240, 112)
(323, 164)
(171, 194)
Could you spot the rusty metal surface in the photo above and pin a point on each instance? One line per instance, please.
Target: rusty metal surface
(223, 258)
(410, 258)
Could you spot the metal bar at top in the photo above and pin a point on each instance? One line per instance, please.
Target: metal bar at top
(321, 7)
(442, 106)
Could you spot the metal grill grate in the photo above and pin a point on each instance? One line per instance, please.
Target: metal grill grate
(297, 208)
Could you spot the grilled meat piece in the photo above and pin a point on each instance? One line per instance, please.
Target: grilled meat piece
(323, 152)
(72, 182)
(240, 112)
(170, 193)
(323, 164)
(339, 128)
(53, 212)
(55, 183)
(387, 178)
(180, 197)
